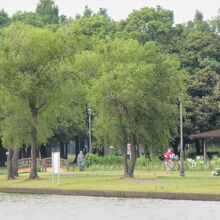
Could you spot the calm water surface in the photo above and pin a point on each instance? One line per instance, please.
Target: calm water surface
(42, 207)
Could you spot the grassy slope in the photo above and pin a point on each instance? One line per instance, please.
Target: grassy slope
(194, 182)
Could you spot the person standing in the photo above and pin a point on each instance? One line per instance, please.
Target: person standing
(80, 161)
(169, 157)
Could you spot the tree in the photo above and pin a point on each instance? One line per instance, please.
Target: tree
(202, 105)
(103, 12)
(87, 12)
(35, 67)
(148, 24)
(4, 18)
(198, 24)
(215, 23)
(198, 50)
(97, 27)
(72, 121)
(64, 19)
(48, 11)
(30, 18)
(13, 115)
(134, 96)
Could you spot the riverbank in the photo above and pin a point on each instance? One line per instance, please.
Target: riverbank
(118, 194)
(145, 184)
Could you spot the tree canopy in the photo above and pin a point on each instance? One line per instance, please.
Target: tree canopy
(130, 72)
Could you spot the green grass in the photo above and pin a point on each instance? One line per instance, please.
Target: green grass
(148, 181)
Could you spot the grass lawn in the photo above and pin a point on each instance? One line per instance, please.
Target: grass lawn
(148, 181)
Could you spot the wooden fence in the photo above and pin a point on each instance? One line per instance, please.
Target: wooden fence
(42, 164)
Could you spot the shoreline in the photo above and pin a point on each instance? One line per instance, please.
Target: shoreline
(117, 194)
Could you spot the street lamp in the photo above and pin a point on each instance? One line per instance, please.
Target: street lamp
(182, 172)
(90, 130)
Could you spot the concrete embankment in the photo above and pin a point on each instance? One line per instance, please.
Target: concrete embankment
(119, 194)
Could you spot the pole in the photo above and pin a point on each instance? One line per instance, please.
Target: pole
(204, 151)
(182, 172)
(59, 170)
(52, 167)
(90, 132)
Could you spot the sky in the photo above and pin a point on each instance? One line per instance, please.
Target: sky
(184, 10)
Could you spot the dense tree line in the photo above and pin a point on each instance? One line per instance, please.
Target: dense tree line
(131, 72)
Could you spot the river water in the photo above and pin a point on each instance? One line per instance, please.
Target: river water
(52, 207)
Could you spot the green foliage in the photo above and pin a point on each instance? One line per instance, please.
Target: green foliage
(142, 162)
(215, 23)
(136, 94)
(103, 12)
(202, 105)
(198, 48)
(91, 159)
(48, 11)
(198, 164)
(30, 18)
(148, 24)
(50, 74)
(35, 68)
(98, 27)
(216, 172)
(114, 161)
(111, 160)
(15, 129)
(4, 18)
(198, 24)
(87, 12)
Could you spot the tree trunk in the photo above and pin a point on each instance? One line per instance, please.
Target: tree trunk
(175, 144)
(76, 147)
(15, 161)
(43, 151)
(65, 150)
(33, 171)
(61, 149)
(125, 161)
(133, 159)
(3, 157)
(205, 157)
(34, 112)
(10, 165)
(198, 147)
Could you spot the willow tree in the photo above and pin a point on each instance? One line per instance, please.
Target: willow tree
(34, 67)
(135, 97)
(13, 128)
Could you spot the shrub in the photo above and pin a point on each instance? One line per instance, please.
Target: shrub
(91, 159)
(216, 172)
(142, 162)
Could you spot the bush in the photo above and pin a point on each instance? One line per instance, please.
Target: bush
(216, 172)
(142, 162)
(91, 159)
(71, 158)
(112, 160)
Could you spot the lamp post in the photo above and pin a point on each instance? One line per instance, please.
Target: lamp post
(90, 130)
(182, 172)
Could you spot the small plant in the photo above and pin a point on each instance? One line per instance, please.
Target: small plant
(216, 172)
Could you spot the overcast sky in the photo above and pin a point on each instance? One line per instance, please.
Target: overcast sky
(184, 10)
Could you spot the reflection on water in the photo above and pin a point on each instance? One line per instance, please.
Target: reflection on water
(52, 207)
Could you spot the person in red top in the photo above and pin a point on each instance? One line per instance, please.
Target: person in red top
(168, 157)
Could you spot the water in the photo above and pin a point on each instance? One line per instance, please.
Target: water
(52, 207)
